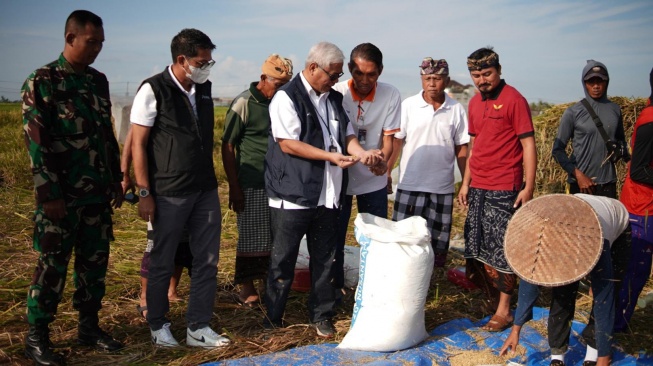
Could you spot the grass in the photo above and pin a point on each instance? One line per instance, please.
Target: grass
(17, 259)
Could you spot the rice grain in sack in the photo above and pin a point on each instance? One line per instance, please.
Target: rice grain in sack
(395, 272)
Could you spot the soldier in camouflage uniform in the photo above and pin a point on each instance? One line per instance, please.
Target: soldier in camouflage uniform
(75, 160)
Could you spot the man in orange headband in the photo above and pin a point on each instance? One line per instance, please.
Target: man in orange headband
(499, 177)
(244, 144)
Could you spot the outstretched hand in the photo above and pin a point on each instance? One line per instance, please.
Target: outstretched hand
(343, 161)
(371, 157)
(511, 342)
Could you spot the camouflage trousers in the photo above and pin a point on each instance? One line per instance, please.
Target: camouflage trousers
(86, 231)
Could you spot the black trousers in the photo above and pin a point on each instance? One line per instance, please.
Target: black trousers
(288, 227)
(620, 252)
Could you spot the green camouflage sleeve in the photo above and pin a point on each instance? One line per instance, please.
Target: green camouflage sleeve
(38, 114)
(112, 147)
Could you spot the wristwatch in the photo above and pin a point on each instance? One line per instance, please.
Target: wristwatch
(143, 192)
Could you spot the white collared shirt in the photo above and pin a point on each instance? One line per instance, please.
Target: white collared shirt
(285, 124)
(430, 137)
(378, 117)
(144, 106)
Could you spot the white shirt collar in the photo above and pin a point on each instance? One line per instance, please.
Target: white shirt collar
(445, 105)
(309, 88)
(174, 78)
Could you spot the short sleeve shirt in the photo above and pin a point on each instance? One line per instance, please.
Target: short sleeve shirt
(247, 127)
(144, 108)
(428, 157)
(372, 117)
(498, 124)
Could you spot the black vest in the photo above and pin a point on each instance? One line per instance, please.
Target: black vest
(297, 179)
(180, 146)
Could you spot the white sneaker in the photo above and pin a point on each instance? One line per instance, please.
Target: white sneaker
(205, 337)
(163, 337)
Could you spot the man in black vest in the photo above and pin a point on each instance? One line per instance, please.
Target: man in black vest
(172, 147)
(305, 179)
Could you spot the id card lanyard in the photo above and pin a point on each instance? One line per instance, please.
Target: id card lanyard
(360, 121)
(332, 147)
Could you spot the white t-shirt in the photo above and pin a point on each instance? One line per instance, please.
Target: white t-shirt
(144, 106)
(428, 157)
(285, 124)
(377, 115)
(612, 214)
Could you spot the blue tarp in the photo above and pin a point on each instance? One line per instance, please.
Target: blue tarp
(441, 344)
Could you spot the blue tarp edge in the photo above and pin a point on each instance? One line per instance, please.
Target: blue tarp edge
(442, 343)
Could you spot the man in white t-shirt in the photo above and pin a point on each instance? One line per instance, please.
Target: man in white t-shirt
(374, 109)
(434, 131)
(310, 147)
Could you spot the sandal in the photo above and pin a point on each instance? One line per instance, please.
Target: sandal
(141, 310)
(497, 323)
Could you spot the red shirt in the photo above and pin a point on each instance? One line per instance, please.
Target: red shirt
(638, 196)
(498, 121)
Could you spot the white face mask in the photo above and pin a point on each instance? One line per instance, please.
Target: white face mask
(197, 75)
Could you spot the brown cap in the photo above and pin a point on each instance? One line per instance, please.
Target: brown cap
(277, 67)
(553, 240)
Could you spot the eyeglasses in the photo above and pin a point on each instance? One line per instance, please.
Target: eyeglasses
(204, 66)
(207, 65)
(332, 77)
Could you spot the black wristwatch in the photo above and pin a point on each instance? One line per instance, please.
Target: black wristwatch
(143, 192)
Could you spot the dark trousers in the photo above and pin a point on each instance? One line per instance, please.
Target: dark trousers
(638, 269)
(375, 203)
(200, 213)
(604, 190)
(563, 306)
(288, 228)
(620, 255)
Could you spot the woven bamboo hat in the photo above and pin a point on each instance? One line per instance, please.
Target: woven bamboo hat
(553, 240)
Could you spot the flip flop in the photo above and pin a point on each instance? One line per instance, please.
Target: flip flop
(141, 310)
(497, 323)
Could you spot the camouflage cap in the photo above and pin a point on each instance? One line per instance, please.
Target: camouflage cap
(430, 66)
(277, 67)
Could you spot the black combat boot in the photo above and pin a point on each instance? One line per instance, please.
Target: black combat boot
(90, 334)
(39, 348)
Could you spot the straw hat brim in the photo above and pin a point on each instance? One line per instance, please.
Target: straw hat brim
(553, 240)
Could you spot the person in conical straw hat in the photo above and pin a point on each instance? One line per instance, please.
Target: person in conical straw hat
(554, 241)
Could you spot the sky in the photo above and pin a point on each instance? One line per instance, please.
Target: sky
(543, 45)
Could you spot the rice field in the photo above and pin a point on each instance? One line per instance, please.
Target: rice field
(17, 259)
